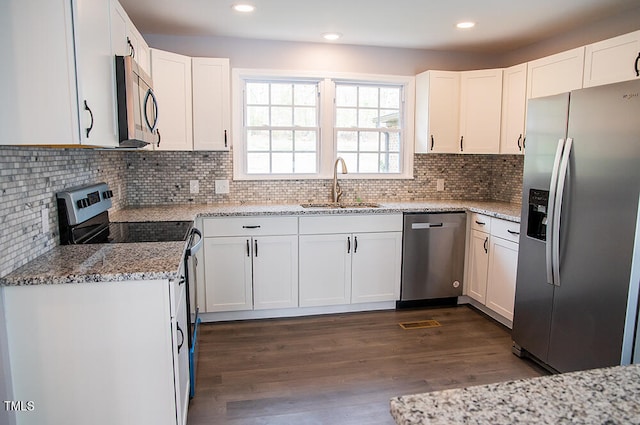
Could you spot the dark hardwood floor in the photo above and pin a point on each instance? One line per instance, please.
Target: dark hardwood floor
(343, 369)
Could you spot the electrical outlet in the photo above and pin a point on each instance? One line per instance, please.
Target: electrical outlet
(222, 187)
(439, 185)
(194, 186)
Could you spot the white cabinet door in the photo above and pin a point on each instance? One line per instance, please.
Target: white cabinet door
(555, 74)
(478, 265)
(227, 269)
(437, 112)
(514, 103)
(501, 282)
(275, 272)
(211, 104)
(613, 60)
(39, 103)
(179, 329)
(325, 269)
(141, 51)
(171, 75)
(96, 77)
(376, 261)
(119, 23)
(480, 110)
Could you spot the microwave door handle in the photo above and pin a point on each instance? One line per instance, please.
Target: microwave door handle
(151, 95)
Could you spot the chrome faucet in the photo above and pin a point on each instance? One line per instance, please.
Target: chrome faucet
(337, 190)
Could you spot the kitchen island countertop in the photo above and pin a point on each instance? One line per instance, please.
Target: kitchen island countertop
(599, 396)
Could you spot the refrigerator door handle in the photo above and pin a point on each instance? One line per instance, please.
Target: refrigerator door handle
(562, 177)
(551, 221)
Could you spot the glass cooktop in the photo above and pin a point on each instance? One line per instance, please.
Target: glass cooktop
(149, 231)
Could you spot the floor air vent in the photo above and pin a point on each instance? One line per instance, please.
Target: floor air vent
(420, 325)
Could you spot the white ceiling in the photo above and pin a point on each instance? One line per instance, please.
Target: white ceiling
(502, 25)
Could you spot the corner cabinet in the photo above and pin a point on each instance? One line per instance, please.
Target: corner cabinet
(348, 259)
(104, 352)
(171, 75)
(613, 60)
(480, 110)
(250, 263)
(492, 261)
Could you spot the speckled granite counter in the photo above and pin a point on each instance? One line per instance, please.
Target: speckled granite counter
(502, 210)
(100, 263)
(600, 396)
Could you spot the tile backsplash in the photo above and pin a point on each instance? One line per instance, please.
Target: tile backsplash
(30, 177)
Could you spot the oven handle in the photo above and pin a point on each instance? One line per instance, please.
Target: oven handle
(194, 248)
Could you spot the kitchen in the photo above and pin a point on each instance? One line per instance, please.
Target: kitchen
(140, 178)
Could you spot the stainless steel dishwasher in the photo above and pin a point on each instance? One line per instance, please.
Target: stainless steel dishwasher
(432, 257)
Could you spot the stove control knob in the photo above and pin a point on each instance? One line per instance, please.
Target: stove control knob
(82, 203)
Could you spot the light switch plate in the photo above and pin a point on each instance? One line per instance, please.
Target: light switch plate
(439, 185)
(222, 187)
(194, 186)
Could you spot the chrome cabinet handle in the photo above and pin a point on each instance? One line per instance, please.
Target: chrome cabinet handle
(86, 108)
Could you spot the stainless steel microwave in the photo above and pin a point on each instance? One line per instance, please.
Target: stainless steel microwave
(137, 105)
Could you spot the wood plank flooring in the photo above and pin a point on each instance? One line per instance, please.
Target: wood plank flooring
(343, 369)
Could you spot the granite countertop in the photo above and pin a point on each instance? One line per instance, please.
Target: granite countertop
(119, 262)
(503, 210)
(100, 263)
(599, 396)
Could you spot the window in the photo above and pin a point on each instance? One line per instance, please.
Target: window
(281, 127)
(293, 125)
(368, 127)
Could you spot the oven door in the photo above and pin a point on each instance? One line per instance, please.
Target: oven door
(190, 265)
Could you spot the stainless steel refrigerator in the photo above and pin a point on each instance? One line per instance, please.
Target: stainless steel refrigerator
(578, 278)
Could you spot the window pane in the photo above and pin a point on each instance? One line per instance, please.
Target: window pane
(346, 95)
(368, 163)
(258, 140)
(282, 140)
(351, 159)
(257, 93)
(305, 94)
(347, 141)
(346, 117)
(368, 118)
(281, 116)
(305, 141)
(394, 163)
(282, 162)
(394, 141)
(389, 118)
(258, 163)
(257, 116)
(390, 97)
(304, 117)
(305, 163)
(281, 94)
(369, 141)
(368, 97)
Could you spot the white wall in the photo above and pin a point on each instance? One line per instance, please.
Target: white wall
(246, 53)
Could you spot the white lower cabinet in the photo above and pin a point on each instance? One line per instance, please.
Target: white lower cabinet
(340, 267)
(99, 353)
(250, 263)
(492, 260)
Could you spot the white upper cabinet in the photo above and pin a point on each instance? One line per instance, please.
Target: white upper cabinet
(171, 74)
(126, 39)
(514, 102)
(37, 75)
(96, 74)
(437, 112)
(211, 104)
(555, 74)
(613, 60)
(480, 110)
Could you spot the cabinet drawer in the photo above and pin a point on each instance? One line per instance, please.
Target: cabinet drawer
(481, 222)
(506, 230)
(250, 226)
(339, 223)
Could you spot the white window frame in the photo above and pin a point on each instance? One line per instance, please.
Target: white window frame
(327, 143)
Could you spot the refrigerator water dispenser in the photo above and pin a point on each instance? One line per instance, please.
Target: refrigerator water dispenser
(537, 223)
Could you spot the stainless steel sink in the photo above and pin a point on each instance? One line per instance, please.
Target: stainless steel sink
(341, 205)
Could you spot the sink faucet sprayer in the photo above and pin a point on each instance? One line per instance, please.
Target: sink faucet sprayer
(337, 190)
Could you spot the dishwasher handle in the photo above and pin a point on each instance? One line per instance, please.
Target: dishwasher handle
(425, 225)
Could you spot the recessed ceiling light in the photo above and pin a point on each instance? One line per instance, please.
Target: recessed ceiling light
(331, 36)
(465, 25)
(245, 8)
